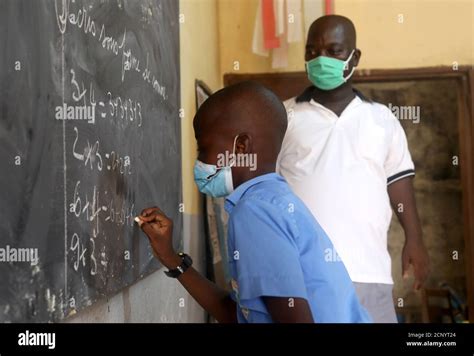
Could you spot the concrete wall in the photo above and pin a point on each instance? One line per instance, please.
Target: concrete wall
(433, 32)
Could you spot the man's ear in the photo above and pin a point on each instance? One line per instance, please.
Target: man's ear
(243, 143)
(357, 55)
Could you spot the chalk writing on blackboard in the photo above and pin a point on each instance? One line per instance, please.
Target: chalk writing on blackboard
(91, 127)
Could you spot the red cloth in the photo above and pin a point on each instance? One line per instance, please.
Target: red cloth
(268, 19)
(329, 7)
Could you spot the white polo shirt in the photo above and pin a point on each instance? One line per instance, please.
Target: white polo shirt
(340, 167)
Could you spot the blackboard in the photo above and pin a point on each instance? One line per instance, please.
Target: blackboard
(89, 135)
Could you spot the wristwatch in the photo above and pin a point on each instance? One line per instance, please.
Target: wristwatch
(186, 262)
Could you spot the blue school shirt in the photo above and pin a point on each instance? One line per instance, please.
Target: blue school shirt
(276, 248)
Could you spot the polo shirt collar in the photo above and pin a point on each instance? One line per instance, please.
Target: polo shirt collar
(307, 95)
(354, 102)
(237, 194)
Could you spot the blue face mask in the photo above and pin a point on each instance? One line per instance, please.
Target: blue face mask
(212, 180)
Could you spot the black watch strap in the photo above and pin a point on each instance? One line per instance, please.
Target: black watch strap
(186, 262)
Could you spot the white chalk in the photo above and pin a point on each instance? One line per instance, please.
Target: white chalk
(138, 220)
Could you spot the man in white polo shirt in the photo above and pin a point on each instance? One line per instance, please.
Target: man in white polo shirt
(347, 158)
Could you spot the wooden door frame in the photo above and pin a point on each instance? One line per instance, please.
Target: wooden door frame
(295, 82)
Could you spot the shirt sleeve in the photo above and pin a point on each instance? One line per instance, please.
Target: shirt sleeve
(265, 256)
(398, 164)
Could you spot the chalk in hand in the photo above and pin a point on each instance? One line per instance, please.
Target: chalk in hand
(138, 220)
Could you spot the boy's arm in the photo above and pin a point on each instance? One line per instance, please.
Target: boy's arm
(213, 299)
(402, 199)
(289, 310)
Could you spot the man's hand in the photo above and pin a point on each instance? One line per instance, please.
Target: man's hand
(414, 253)
(159, 229)
(402, 198)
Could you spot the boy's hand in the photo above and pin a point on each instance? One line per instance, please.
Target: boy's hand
(159, 229)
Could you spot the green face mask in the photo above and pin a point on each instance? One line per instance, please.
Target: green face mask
(327, 73)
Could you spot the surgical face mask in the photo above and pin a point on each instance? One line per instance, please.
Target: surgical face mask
(327, 73)
(212, 180)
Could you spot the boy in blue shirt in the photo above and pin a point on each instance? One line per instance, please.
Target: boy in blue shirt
(283, 266)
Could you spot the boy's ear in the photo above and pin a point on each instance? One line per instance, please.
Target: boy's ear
(243, 143)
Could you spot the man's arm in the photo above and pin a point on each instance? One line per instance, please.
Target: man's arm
(288, 310)
(402, 199)
(213, 299)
